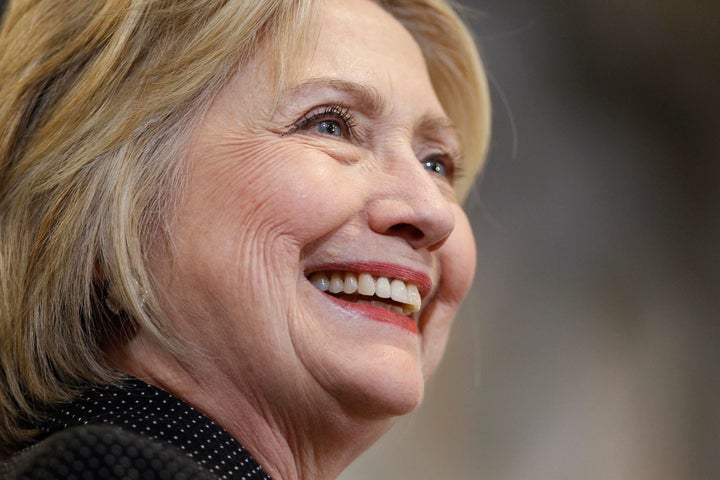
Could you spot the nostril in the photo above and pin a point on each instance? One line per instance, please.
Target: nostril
(423, 222)
(406, 230)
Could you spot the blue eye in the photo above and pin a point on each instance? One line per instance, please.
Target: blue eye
(330, 127)
(332, 120)
(437, 166)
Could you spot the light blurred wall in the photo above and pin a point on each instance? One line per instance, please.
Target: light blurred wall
(590, 345)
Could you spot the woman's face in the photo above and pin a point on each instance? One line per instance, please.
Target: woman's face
(348, 180)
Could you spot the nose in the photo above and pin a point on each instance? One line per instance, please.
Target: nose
(410, 205)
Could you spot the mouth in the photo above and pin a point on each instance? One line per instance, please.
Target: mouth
(393, 294)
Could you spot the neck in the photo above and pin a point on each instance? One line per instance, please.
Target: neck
(303, 437)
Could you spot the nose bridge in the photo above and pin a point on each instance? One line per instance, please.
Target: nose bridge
(408, 203)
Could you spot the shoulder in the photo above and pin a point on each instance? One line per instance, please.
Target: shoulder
(101, 452)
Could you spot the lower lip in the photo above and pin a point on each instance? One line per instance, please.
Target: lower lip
(378, 314)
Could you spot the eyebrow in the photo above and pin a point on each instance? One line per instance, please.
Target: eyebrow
(368, 97)
(430, 125)
(374, 105)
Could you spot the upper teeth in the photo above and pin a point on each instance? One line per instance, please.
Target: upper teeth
(366, 284)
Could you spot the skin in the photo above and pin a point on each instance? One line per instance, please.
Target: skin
(273, 194)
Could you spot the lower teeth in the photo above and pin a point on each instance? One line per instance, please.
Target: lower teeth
(386, 306)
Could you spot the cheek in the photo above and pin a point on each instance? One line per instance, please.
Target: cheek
(458, 257)
(284, 190)
(313, 199)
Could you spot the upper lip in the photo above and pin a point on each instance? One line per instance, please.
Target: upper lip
(379, 269)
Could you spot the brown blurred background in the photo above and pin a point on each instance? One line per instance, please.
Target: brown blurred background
(589, 347)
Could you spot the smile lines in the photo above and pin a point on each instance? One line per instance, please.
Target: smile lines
(404, 293)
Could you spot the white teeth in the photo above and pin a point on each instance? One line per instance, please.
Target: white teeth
(351, 283)
(382, 287)
(366, 284)
(336, 283)
(320, 281)
(398, 291)
(413, 297)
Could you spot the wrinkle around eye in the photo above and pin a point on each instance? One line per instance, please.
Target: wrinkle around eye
(341, 151)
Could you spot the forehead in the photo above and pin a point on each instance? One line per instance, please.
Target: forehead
(350, 47)
(358, 41)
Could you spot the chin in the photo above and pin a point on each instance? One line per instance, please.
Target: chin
(383, 389)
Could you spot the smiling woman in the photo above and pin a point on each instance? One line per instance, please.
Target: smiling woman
(213, 241)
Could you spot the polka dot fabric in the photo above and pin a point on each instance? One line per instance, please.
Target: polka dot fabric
(102, 452)
(151, 413)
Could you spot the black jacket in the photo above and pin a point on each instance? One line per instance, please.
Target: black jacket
(134, 431)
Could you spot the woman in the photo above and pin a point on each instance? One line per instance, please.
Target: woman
(231, 238)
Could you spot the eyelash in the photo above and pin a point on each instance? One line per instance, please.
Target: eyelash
(450, 159)
(328, 112)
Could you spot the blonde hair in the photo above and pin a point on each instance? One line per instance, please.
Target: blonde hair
(96, 101)
(457, 75)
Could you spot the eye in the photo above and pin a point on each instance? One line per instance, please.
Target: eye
(330, 127)
(438, 166)
(331, 120)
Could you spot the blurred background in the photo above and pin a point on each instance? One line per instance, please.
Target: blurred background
(590, 345)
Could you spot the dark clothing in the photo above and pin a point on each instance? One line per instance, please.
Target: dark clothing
(135, 431)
